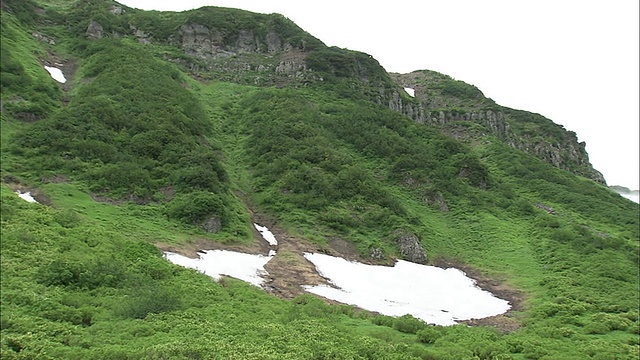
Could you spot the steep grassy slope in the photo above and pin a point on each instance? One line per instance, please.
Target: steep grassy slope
(150, 144)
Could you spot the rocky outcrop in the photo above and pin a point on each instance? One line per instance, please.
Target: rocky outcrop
(94, 30)
(569, 154)
(433, 106)
(212, 225)
(116, 10)
(245, 56)
(412, 110)
(143, 37)
(436, 198)
(410, 247)
(43, 38)
(292, 65)
(377, 254)
(201, 42)
(210, 43)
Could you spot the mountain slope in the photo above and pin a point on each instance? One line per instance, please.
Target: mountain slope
(181, 129)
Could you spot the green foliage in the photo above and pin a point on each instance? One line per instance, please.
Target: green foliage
(28, 92)
(429, 335)
(460, 89)
(72, 306)
(83, 279)
(149, 299)
(196, 207)
(408, 324)
(23, 10)
(115, 137)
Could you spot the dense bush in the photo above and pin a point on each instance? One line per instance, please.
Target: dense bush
(429, 335)
(408, 324)
(132, 147)
(196, 207)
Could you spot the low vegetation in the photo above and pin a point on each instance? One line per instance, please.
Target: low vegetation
(135, 152)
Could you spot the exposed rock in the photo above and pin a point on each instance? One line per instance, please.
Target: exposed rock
(199, 41)
(273, 42)
(438, 199)
(546, 208)
(292, 64)
(94, 30)
(43, 38)
(55, 179)
(212, 224)
(410, 247)
(376, 253)
(143, 37)
(116, 10)
(246, 42)
(561, 150)
(207, 44)
(27, 116)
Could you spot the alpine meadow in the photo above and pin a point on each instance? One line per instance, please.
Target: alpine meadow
(178, 131)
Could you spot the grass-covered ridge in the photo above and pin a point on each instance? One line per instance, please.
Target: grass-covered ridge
(165, 152)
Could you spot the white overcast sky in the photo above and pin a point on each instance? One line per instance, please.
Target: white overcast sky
(573, 61)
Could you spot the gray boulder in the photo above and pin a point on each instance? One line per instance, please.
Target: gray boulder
(410, 247)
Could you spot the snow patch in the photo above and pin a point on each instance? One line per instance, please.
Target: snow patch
(56, 74)
(410, 91)
(26, 196)
(435, 295)
(266, 234)
(215, 263)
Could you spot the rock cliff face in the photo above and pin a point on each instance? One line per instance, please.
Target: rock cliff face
(441, 101)
(205, 43)
(243, 47)
(245, 56)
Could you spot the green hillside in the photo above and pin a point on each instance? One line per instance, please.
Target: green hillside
(179, 130)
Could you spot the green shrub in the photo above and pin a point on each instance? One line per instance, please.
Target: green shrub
(196, 207)
(408, 324)
(89, 274)
(429, 335)
(150, 299)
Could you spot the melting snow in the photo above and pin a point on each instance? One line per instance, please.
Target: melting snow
(26, 196)
(215, 263)
(435, 295)
(56, 74)
(266, 234)
(410, 91)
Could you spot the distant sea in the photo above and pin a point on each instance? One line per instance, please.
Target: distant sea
(633, 197)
